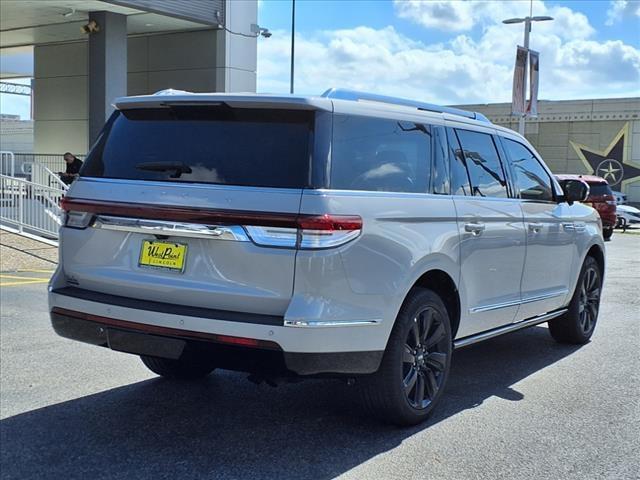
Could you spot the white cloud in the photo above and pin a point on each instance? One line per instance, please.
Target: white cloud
(619, 9)
(381, 61)
(462, 70)
(458, 16)
(450, 16)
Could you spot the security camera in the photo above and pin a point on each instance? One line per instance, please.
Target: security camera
(260, 31)
(91, 27)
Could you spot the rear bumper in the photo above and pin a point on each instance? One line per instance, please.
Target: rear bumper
(244, 346)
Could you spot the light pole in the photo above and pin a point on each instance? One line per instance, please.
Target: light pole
(527, 30)
(293, 35)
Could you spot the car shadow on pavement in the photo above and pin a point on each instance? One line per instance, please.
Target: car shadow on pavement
(226, 427)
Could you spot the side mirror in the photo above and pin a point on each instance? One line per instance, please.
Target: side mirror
(575, 191)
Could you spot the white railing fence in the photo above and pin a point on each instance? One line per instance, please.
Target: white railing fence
(40, 174)
(30, 207)
(7, 163)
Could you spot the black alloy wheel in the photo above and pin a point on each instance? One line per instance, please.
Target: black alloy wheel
(578, 323)
(413, 373)
(589, 300)
(424, 358)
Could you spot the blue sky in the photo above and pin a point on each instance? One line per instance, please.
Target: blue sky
(451, 52)
(444, 52)
(313, 15)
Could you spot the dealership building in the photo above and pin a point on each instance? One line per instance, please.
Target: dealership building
(600, 137)
(85, 53)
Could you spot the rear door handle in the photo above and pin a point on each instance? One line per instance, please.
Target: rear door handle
(535, 227)
(474, 228)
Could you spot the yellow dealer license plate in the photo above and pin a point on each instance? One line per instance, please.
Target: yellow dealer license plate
(170, 256)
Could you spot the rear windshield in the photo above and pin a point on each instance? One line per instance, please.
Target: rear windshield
(599, 189)
(205, 144)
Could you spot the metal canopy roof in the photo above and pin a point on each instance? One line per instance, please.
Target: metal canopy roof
(34, 22)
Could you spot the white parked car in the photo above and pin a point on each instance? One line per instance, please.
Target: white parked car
(627, 215)
(621, 198)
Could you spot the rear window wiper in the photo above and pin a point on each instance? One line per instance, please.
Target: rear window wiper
(178, 167)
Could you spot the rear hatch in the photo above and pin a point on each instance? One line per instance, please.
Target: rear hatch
(602, 199)
(193, 205)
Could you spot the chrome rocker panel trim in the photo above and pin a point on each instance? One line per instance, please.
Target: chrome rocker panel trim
(320, 324)
(496, 306)
(512, 327)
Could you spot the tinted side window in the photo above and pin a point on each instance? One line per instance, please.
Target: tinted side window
(459, 175)
(533, 181)
(440, 179)
(380, 155)
(485, 170)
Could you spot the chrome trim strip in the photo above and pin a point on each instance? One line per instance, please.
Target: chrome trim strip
(172, 229)
(512, 327)
(317, 324)
(580, 227)
(514, 303)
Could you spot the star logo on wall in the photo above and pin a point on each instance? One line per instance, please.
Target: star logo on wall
(610, 163)
(611, 170)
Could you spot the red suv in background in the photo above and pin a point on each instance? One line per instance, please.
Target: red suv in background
(601, 198)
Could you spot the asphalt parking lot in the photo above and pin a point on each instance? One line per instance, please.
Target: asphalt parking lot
(519, 406)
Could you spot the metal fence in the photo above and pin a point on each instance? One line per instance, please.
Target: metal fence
(53, 161)
(31, 191)
(37, 173)
(7, 163)
(30, 207)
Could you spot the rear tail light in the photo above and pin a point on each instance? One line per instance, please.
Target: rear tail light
(273, 236)
(312, 232)
(326, 231)
(78, 219)
(263, 228)
(75, 218)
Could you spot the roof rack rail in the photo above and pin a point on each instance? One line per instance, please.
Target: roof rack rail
(354, 95)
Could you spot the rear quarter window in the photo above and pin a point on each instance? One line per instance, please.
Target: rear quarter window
(380, 155)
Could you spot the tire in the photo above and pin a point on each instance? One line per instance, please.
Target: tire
(415, 365)
(579, 322)
(607, 233)
(181, 369)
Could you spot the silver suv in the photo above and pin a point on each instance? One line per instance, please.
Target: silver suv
(348, 235)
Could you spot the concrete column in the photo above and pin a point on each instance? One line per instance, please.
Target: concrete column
(60, 98)
(107, 67)
(236, 55)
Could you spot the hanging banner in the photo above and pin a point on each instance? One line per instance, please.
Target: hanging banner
(519, 78)
(534, 75)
